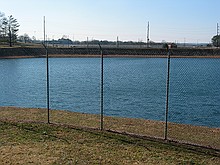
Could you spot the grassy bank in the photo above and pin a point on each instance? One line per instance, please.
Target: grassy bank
(47, 144)
(34, 143)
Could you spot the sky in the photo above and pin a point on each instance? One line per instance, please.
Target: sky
(189, 21)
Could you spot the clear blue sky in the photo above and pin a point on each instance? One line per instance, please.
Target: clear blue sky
(170, 20)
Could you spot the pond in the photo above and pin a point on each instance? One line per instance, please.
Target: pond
(133, 87)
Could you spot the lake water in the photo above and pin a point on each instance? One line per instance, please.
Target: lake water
(133, 87)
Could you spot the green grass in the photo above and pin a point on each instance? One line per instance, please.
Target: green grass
(185, 133)
(23, 142)
(26, 143)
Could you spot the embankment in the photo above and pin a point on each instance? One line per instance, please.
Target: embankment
(182, 133)
(28, 52)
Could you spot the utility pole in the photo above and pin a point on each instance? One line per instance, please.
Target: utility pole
(217, 34)
(148, 34)
(44, 31)
(184, 42)
(68, 43)
(117, 42)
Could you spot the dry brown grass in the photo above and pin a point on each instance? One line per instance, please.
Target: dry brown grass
(29, 143)
(185, 133)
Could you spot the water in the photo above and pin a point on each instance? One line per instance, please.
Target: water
(133, 87)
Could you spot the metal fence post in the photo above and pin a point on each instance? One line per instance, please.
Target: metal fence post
(167, 93)
(101, 89)
(48, 84)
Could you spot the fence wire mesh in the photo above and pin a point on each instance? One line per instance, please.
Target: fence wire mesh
(23, 84)
(135, 88)
(194, 98)
(134, 91)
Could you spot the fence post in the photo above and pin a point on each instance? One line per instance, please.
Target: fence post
(48, 85)
(167, 92)
(101, 89)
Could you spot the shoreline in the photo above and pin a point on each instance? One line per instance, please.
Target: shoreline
(106, 56)
(108, 52)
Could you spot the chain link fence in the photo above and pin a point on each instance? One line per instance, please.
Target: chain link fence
(130, 91)
(194, 95)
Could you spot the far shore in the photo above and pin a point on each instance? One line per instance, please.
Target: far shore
(105, 56)
(108, 52)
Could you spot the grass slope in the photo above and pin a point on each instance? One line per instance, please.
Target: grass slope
(23, 143)
(185, 133)
(35, 143)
